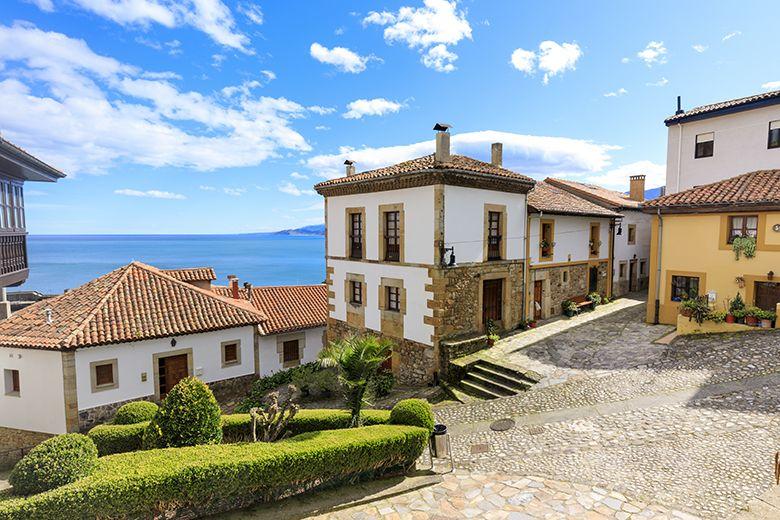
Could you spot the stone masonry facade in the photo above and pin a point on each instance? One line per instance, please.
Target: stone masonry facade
(14, 444)
(563, 283)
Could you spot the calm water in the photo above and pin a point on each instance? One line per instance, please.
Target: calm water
(62, 262)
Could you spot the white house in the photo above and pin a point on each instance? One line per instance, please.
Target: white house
(631, 251)
(718, 141)
(425, 250)
(69, 361)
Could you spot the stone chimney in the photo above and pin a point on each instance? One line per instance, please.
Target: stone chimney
(350, 167)
(637, 189)
(233, 282)
(442, 143)
(497, 154)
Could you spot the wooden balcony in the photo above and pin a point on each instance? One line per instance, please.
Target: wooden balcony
(13, 258)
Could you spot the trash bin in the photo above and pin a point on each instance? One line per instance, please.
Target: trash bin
(440, 445)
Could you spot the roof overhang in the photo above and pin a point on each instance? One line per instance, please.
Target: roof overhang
(713, 208)
(698, 116)
(18, 164)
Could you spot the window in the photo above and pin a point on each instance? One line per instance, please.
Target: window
(705, 145)
(631, 234)
(103, 375)
(394, 299)
(622, 272)
(290, 351)
(642, 267)
(566, 277)
(594, 244)
(774, 135)
(546, 243)
(356, 292)
(356, 235)
(494, 235)
(231, 353)
(392, 236)
(684, 287)
(11, 377)
(742, 226)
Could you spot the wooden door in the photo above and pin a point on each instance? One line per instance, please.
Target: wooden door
(492, 300)
(172, 369)
(632, 279)
(593, 279)
(538, 287)
(767, 295)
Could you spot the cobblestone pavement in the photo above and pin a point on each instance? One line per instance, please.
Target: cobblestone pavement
(499, 496)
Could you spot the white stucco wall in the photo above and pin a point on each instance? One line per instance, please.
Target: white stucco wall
(464, 222)
(626, 252)
(133, 359)
(571, 237)
(40, 405)
(415, 279)
(740, 147)
(418, 222)
(269, 357)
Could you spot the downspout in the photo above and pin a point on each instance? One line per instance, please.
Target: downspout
(611, 286)
(526, 261)
(657, 310)
(679, 156)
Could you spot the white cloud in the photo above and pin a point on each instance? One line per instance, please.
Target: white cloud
(86, 112)
(298, 176)
(732, 34)
(625, 60)
(43, 5)
(207, 188)
(653, 54)
(619, 92)
(617, 178)
(371, 107)
(321, 127)
(252, 11)
(430, 29)
(212, 17)
(771, 85)
(552, 58)
(234, 192)
(660, 83)
(151, 194)
(291, 189)
(320, 110)
(244, 90)
(342, 58)
(700, 48)
(539, 156)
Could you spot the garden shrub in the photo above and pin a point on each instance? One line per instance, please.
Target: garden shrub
(413, 412)
(314, 381)
(210, 478)
(382, 383)
(188, 416)
(53, 463)
(135, 412)
(117, 438)
(265, 384)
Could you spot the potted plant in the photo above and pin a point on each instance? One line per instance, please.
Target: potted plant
(745, 246)
(570, 308)
(739, 316)
(696, 308)
(717, 316)
(767, 317)
(752, 316)
(735, 308)
(532, 324)
(492, 332)
(522, 325)
(595, 298)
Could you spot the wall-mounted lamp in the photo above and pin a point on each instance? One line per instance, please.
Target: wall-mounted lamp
(770, 275)
(173, 342)
(620, 229)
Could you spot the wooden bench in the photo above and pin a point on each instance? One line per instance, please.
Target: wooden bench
(582, 302)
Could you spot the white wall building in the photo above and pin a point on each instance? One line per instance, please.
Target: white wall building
(722, 140)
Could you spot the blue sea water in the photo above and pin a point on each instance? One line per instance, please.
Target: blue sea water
(67, 261)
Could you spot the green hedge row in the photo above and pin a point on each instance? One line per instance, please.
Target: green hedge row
(210, 478)
(121, 438)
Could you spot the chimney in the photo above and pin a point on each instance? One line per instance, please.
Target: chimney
(637, 189)
(350, 167)
(442, 143)
(233, 281)
(497, 154)
(679, 106)
(248, 287)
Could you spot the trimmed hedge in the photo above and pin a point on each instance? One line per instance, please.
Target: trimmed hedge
(135, 412)
(210, 478)
(54, 462)
(415, 412)
(117, 438)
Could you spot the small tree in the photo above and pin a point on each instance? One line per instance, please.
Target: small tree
(271, 421)
(358, 360)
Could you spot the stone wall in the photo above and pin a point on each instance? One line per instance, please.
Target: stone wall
(413, 363)
(455, 348)
(14, 444)
(564, 282)
(99, 414)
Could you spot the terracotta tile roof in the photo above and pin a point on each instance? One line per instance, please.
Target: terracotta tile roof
(132, 303)
(287, 307)
(551, 199)
(597, 194)
(421, 164)
(192, 274)
(732, 105)
(750, 189)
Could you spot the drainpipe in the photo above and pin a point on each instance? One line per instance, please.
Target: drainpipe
(526, 260)
(657, 310)
(611, 275)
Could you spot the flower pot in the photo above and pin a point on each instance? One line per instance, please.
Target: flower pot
(751, 321)
(568, 313)
(730, 318)
(687, 313)
(490, 342)
(766, 324)
(532, 325)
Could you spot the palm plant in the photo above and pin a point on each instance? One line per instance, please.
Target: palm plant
(358, 360)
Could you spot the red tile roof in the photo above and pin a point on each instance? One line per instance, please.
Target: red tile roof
(427, 162)
(287, 307)
(597, 194)
(133, 303)
(751, 189)
(732, 105)
(192, 274)
(551, 199)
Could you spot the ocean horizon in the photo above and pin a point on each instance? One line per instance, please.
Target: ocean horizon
(60, 262)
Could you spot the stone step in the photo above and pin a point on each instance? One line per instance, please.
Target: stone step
(477, 390)
(515, 381)
(493, 384)
(507, 371)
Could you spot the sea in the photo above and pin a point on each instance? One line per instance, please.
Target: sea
(66, 261)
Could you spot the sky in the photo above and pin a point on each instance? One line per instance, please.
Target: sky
(218, 116)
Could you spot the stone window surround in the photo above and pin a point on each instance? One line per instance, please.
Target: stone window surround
(355, 313)
(392, 322)
(385, 208)
(597, 235)
(93, 375)
(622, 270)
(551, 223)
(300, 337)
(222, 345)
(156, 366)
(8, 375)
(505, 292)
(497, 208)
(642, 267)
(631, 227)
(348, 229)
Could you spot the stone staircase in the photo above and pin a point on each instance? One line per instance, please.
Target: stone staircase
(488, 380)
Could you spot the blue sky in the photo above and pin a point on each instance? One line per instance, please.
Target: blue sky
(217, 116)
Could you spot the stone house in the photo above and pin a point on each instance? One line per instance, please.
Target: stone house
(425, 250)
(569, 249)
(69, 361)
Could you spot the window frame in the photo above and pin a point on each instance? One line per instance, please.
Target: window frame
(744, 230)
(686, 287)
(356, 285)
(703, 152)
(769, 144)
(550, 224)
(494, 237)
(12, 382)
(392, 235)
(393, 298)
(631, 235)
(355, 217)
(93, 375)
(289, 342)
(223, 350)
(622, 270)
(596, 239)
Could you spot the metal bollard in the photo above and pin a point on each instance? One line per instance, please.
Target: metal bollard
(439, 445)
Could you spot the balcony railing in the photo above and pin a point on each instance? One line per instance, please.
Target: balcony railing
(13, 252)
